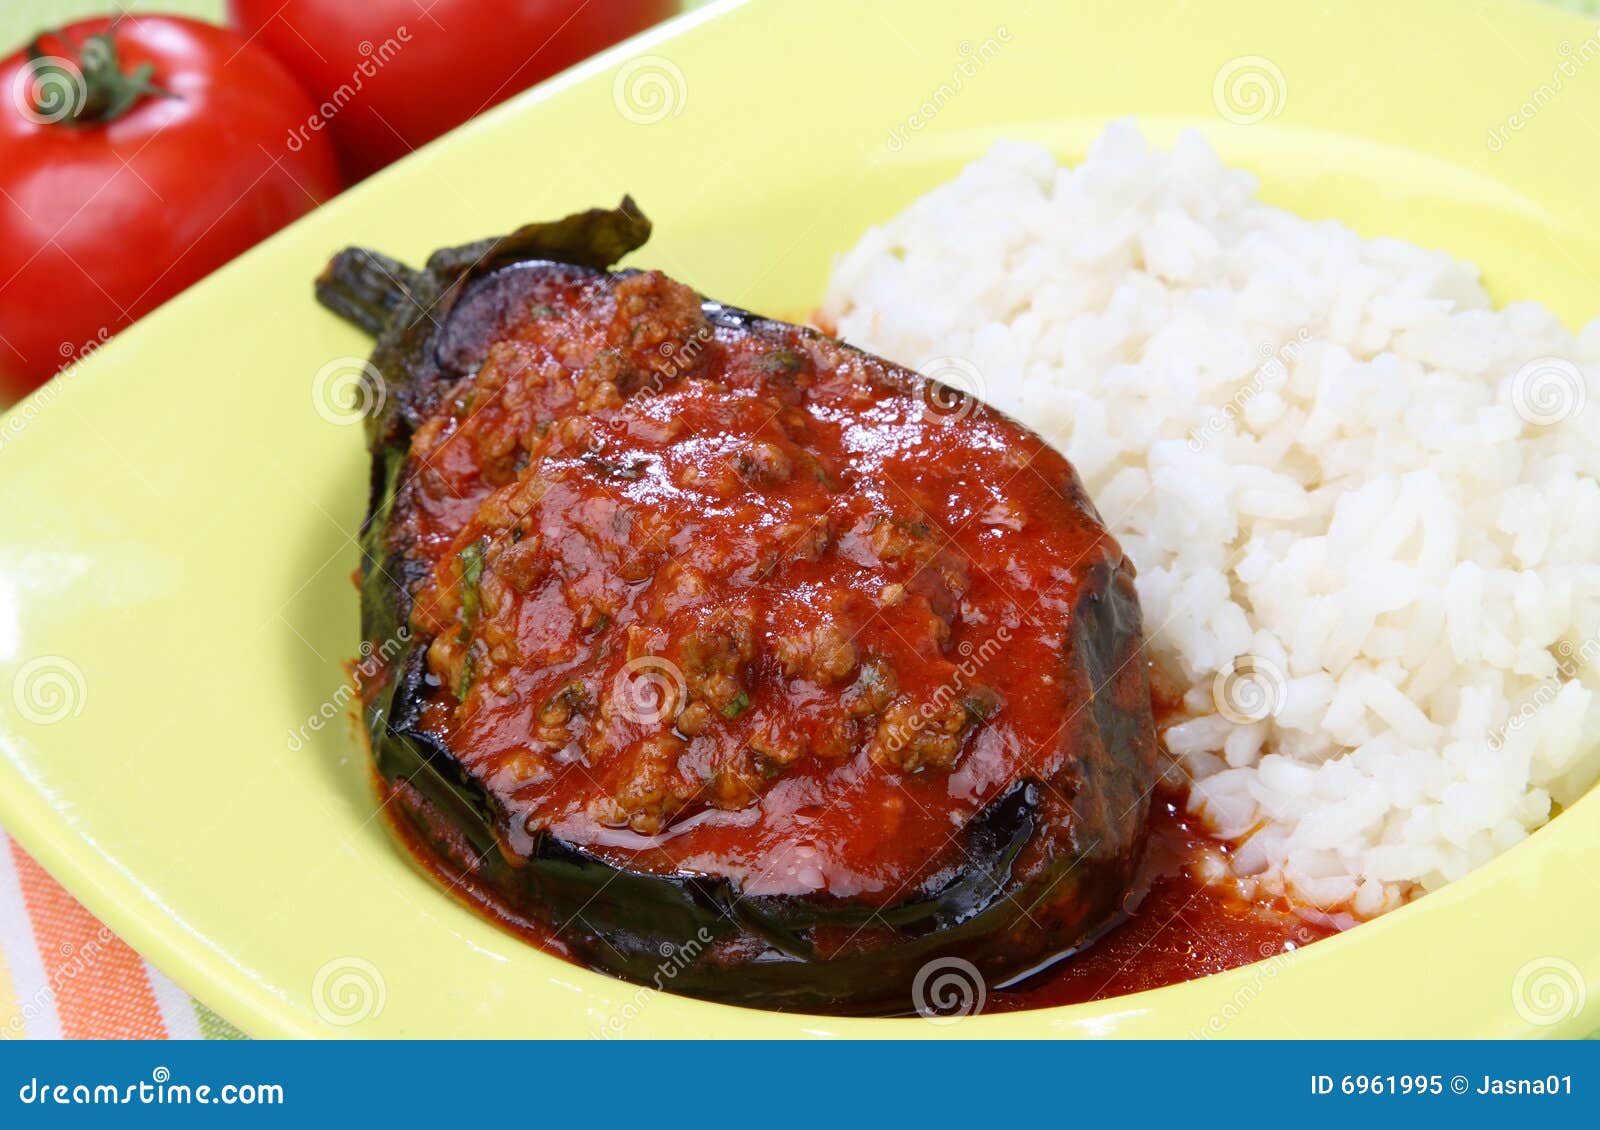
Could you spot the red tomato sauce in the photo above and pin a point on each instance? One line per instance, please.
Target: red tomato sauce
(701, 602)
(1179, 926)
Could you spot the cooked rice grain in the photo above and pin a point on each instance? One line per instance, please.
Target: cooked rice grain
(1363, 503)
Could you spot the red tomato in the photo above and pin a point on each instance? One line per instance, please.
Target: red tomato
(390, 75)
(131, 165)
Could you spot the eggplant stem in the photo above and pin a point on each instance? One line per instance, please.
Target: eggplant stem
(363, 287)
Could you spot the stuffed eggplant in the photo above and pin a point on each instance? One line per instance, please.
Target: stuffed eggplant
(709, 636)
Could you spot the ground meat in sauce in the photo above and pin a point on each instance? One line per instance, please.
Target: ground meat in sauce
(604, 526)
(669, 572)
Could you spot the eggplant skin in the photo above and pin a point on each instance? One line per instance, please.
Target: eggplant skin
(1047, 864)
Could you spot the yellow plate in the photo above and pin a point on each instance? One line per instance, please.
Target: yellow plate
(178, 514)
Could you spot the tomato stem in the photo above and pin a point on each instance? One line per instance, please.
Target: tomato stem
(87, 86)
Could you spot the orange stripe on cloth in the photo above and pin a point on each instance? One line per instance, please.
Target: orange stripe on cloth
(100, 987)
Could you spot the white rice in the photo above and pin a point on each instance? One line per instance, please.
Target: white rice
(1363, 503)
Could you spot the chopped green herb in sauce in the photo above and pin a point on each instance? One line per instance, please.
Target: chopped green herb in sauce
(780, 361)
(471, 559)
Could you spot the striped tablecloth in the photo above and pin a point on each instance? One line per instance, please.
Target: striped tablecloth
(64, 975)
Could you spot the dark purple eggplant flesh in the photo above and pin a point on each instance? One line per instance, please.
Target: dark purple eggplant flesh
(1047, 862)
